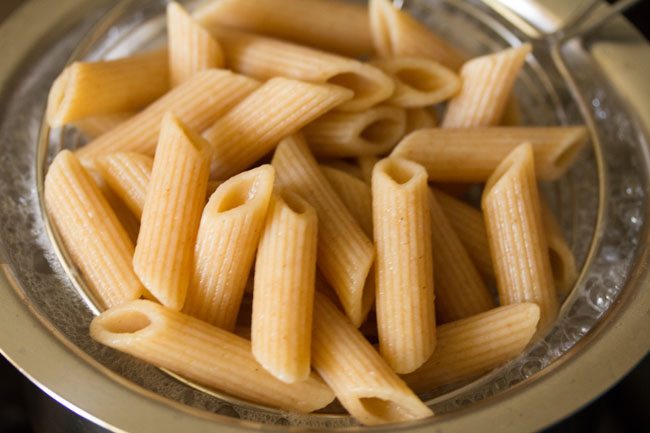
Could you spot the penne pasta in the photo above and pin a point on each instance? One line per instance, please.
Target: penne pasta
(335, 26)
(460, 291)
(512, 113)
(419, 118)
(225, 247)
(202, 353)
(472, 155)
(367, 164)
(487, 85)
(396, 34)
(197, 102)
(362, 381)
(192, 48)
(170, 219)
(371, 132)
(93, 127)
(347, 167)
(563, 263)
(354, 193)
(128, 175)
(345, 254)
(97, 243)
(91, 89)
(469, 225)
(516, 235)
(419, 82)
(284, 289)
(254, 127)
(263, 58)
(404, 268)
(473, 346)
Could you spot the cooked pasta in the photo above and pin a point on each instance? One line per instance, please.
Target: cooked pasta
(402, 228)
(97, 243)
(370, 132)
(164, 253)
(225, 247)
(516, 235)
(191, 47)
(471, 155)
(419, 118)
(128, 175)
(354, 193)
(345, 254)
(254, 127)
(563, 263)
(93, 127)
(206, 354)
(284, 288)
(367, 164)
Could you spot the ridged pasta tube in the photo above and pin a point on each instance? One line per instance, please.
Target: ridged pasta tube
(128, 175)
(354, 193)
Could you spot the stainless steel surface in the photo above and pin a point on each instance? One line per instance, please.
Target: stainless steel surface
(599, 336)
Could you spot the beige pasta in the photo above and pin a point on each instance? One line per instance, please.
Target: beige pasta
(419, 82)
(225, 248)
(257, 124)
(97, 243)
(202, 353)
(362, 381)
(284, 289)
(563, 263)
(345, 254)
(191, 47)
(90, 89)
(367, 164)
(460, 291)
(516, 235)
(396, 34)
(487, 85)
(164, 253)
(469, 225)
(336, 26)
(263, 58)
(512, 113)
(419, 118)
(128, 175)
(473, 346)
(93, 127)
(354, 193)
(345, 166)
(198, 102)
(404, 267)
(472, 155)
(371, 132)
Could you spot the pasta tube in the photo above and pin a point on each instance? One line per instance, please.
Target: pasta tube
(197, 102)
(471, 155)
(255, 126)
(191, 47)
(487, 85)
(371, 132)
(345, 254)
(419, 82)
(225, 247)
(264, 58)
(93, 127)
(367, 164)
(354, 193)
(419, 118)
(335, 26)
(460, 291)
(348, 167)
(202, 353)
(91, 232)
(284, 289)
(128, 175)
(469, 225)
(563, 263)
(396, 34)
(470, 347)
(516, 235)
(90, 89)
(172, 209)
(362, 381)
(512, 113)
(404, 268)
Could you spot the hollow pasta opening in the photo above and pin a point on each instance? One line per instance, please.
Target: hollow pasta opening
(237, 195)
(381, 132)
(419, 79)
(126, 322)
(383, 409)
(360, 85)
(401, 172)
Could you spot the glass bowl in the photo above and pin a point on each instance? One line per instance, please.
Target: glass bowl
(601, 203)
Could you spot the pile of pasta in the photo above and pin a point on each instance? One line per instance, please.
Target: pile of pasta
(312, 270)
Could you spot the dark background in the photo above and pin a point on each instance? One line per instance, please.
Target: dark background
(623, 409)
